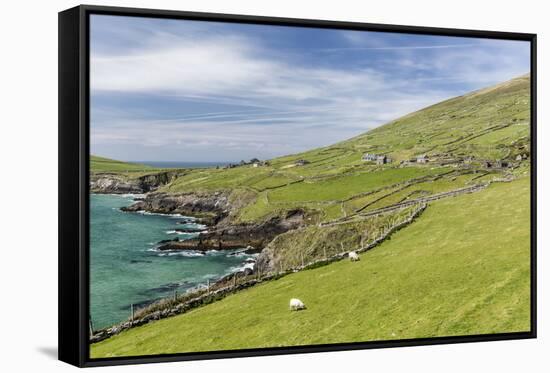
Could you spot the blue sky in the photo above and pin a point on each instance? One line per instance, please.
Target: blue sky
(175, 90)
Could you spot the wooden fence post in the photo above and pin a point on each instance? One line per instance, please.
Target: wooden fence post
(208, 286)
(175, 295)
(234, 279)
(325, 252)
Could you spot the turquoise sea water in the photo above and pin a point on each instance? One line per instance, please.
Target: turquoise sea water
(125, 269)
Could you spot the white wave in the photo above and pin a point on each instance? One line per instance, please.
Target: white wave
(182, 233)
(237, 255)
(242, 267)
(143, 212)
(132, 195)
(188, 254)
(128, 195)
(180, 216)
(241, 253)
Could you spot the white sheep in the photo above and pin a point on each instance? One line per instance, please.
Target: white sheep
(297, 304)
(353, 256)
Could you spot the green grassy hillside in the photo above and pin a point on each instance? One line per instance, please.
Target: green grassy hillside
(101, 164)
(461, 268)
(484, 124)
(457, 135)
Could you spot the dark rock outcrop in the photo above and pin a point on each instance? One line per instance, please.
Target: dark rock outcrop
(241, 235)
(208, 208)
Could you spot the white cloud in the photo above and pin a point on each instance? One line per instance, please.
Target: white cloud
(284, 106)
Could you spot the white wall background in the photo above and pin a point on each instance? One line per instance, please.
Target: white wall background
(28, 184)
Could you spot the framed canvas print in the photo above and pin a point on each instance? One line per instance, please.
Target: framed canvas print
(234, 186)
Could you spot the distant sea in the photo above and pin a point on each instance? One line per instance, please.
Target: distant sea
(177, 164)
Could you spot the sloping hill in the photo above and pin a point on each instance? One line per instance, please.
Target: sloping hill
(461, 268)
(452, 272)
(483, 124)
(463, 139)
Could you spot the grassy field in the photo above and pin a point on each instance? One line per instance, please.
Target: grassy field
(461, 268)
(101, 164)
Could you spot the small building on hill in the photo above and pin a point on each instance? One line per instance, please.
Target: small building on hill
(501, 164)
(382, 159)
(423, 158)
(301, 162)
(369, 157)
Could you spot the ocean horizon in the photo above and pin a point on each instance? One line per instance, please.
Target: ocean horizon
(180, 164)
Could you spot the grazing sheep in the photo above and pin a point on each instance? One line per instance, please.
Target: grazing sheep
(296, 305)
(353, 256)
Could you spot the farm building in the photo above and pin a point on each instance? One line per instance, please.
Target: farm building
(369, 157)
(301, 162)
(423, 158)
(501, 164)
(382, 159)
(255, 162)
(496, 164)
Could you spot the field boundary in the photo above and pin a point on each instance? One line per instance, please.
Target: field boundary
(204, 296)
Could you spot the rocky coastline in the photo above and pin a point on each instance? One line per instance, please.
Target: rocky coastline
(206, 208)
(116, 183)
(213, 210)
(254, 237)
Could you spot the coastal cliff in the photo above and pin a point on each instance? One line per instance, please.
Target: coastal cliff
(118, 183)
(214, 209)
(210, 208)
(254, 237)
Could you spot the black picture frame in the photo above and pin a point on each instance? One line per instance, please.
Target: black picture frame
(74, 149)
